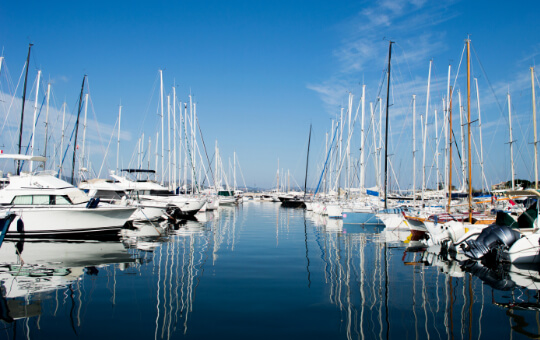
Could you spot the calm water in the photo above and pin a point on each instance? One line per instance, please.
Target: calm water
(257, 271)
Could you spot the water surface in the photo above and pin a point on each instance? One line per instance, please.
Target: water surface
(258, 271)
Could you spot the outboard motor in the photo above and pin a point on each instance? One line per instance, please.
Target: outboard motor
(489, 239)
(497, 279)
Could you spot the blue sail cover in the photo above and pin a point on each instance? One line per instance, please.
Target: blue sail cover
(372, 193)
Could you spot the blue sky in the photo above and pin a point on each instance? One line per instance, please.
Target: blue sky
(262, 71)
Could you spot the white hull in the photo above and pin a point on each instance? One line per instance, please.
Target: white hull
(49, 221)
(525, 250)
(334, 211)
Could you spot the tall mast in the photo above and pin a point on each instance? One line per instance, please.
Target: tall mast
(156, 153)
(534, 127)
(469, 124)
(278, 174)
(35, 118)
(362, 137)
(480, 132)
(425, 135)
(446, 104)
(148, 152)
(414, 147)
(450, 149)
(194, 147)
(463, 165)
(47, 121)
(22, 110)
(162, 128)
(84, 128)
(76, 133)
(348, 185)
(436, 151)
(118, 142)
(169, 141)
(374, 134)
(307, 163)
(379, 172)
(511, 141)
(234, 170)
(62, 140)
(174, 139)
(386, 132)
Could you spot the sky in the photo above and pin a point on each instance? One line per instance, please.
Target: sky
(260, 72)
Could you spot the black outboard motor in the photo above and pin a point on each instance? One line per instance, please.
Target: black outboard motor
(489, 239)
(495, 278)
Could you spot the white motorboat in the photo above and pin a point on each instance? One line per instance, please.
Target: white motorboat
(146, 190)
(110, 192)
(47, 206)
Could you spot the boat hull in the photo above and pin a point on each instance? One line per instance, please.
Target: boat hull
(68, 222)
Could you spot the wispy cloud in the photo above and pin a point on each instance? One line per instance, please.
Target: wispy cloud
(408, 22)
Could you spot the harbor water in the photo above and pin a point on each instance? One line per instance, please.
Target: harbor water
(258, 271)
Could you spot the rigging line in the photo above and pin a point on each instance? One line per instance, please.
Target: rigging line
(70, 140)
(489, 83)
(188, 147)
(324, 168)
(13, 98)
(107, 151)
(404, 56)
(457, 72)
(37, 118)
(241, 173)
(97, 125)
(205, 152)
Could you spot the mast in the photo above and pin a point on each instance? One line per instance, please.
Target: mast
(463, 166)
(118, 142)
(374, 134)
(511, 141)
(47, 122)
(414, 148)
(362, 151)
(278, 175)
(379, 153)
(307, 163)
(469, 124)
(169, 141)
(174, 139)
(348, 183)
(62, 140)
(76, 133)
(446, 104)
(149, 147)
(156, 153)
(534, 127)
(35, 118)
(450, 150)
(84, 128)
(480, 131)
(425, 135)
(162, 129)
(22, 110)
(437, 151)
(386, 132)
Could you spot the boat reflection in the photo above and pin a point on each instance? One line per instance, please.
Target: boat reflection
(32, 272)
(514, 288)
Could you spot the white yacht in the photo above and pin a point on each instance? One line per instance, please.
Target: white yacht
(110, 192)
(185, 206)
(47, 206)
